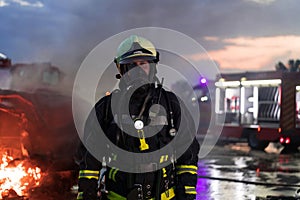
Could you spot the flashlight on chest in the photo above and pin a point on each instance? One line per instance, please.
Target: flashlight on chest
(139, 125)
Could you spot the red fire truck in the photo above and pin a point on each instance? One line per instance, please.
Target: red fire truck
(260, 106)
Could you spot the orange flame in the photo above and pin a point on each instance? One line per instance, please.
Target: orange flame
(19, 178)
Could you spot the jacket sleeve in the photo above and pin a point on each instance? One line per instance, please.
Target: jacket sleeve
(186, 171)
(89, 166)
(187, 163)
(89, 169)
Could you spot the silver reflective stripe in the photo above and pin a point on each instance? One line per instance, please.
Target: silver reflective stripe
(155, 121)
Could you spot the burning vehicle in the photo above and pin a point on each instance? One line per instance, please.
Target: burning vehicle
(37, 133)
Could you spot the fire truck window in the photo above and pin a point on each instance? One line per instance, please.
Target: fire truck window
(232, 105)
(268, 105)
(247, 106)
(232, 100)
(228, 105)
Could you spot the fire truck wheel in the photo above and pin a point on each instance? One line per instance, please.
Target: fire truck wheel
(255, 143)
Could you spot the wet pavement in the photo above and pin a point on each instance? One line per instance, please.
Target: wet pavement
(233, 171)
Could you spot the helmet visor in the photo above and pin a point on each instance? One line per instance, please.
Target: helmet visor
(131, 59)
(140, 53)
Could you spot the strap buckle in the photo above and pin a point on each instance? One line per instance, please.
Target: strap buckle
(136, 193)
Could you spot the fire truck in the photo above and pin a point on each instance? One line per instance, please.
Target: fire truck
(260, 106)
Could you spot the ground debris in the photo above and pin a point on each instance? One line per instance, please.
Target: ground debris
(55, 186)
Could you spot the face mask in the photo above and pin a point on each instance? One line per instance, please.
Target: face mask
(135, 76)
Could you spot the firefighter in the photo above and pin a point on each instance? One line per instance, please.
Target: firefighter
(178, 179)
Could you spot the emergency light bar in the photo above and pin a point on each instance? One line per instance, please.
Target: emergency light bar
(249, 83)
(261, 82)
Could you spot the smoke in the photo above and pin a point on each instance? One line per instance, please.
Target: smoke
(63, 33)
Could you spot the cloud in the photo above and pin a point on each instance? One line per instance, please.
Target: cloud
(36, 4)
(64, 33)
(26, 3)
(210, 38)
(3, 3)
(254, 53)
(262, 1)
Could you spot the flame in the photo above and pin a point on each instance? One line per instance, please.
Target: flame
(18, 177)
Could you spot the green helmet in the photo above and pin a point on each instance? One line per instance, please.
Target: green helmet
(135, 47)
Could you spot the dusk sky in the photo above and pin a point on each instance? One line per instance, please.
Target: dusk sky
(239, 35)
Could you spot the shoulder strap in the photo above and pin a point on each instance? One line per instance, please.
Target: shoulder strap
(170, 112)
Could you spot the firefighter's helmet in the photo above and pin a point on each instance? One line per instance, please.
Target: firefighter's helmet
(135, 47)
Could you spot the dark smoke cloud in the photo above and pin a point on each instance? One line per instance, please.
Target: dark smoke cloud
(64, 32)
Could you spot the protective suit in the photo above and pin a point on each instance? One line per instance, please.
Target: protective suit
(143, 108)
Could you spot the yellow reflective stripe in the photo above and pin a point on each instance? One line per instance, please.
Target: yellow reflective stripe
(114, 196)
(163, 158)
(89, 174)
(79, 195)
(187, 166)
(190, 190)
(192, 169)
(167, 195)
(186, 171)
(112, 174)
(164, 172)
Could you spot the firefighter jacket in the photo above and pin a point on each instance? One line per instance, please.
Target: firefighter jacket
(177, 180)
